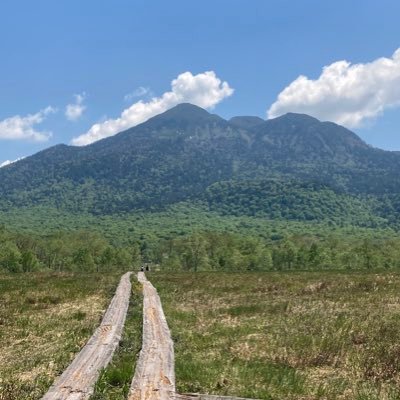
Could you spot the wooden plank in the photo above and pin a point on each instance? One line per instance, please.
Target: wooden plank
(198, 396)
(155, 375)
(78, 380)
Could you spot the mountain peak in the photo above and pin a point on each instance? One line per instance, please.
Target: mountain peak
(306, 135)
(183, 115)
(297, 118)
(185, 111)
(187, 107)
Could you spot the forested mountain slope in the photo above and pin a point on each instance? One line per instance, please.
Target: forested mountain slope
(291, 167)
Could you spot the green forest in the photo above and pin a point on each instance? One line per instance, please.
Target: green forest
(201, 250)
(79, 251)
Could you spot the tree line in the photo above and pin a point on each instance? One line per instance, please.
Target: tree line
(200, 251)
(224, 251)
(64, 251)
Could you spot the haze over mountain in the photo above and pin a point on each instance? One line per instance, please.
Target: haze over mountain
(293, 166)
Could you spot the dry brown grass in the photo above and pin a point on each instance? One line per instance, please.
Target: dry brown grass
(295, 335)
(44, 321)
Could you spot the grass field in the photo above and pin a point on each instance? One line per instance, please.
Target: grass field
(298, 335)
(44, 320)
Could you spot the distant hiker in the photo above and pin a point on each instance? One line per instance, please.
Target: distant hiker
(147, 268)
(142, 268)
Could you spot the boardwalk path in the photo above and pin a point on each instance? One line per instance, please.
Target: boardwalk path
(78, 380)
(154, 376)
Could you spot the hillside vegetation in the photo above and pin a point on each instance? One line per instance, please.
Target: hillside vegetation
(290, 168)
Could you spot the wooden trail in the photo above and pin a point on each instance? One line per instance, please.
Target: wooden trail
(154, 376)
(197, 396)
(78, 380)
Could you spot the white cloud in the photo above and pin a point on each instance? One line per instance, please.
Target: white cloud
(22, 128)
(346, 93)
(75, 110)
(204, 90)
(141, 91)
(8, 162)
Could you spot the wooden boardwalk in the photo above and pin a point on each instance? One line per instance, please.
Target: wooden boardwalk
(78, 380)
(197, 396)
(154, 376)
(155, 372)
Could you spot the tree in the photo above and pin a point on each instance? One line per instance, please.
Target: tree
(195, 256)
(123, 258)
(107, 259)
(29, 261)
(83, 260)
(10, 257)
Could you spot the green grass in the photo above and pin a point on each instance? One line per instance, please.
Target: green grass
(45, 318)
(115, 380)
(295, 335)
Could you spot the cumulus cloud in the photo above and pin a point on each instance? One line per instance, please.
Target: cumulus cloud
(346, 93)
(8, 162)
(204, 90)
(141, 91)
(75, 110)
(23, 128)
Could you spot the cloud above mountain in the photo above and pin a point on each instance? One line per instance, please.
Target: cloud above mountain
(23, 128)
(204, 90)
(75, 110)
(8, 162)
(346, 93)
(141, 91)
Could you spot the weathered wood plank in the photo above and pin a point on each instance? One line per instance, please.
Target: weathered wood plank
(155, 375)
(197, 396)
(78, 380)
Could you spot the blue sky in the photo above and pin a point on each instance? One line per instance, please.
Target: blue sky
(105, 51)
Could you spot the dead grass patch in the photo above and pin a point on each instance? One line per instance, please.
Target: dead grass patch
(45, 320)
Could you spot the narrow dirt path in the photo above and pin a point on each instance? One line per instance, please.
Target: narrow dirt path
(78, 380)
(154, 376)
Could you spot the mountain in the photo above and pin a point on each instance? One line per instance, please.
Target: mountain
(246, 122)
(293, 167)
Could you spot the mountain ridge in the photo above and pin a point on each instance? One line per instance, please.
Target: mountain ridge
(176, 155)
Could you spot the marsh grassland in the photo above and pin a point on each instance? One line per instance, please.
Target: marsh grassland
(285, 335)
(45, 318)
